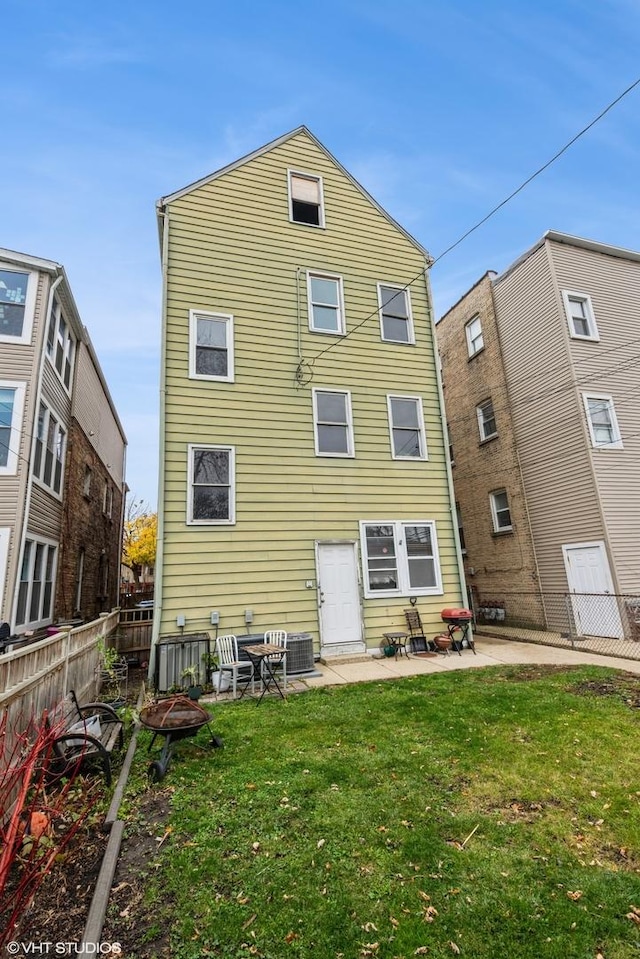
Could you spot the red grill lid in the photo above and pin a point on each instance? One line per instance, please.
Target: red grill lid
(456, 614)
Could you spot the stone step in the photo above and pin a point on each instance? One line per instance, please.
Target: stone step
(341, 660)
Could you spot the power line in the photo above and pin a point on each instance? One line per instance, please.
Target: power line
(480, 223)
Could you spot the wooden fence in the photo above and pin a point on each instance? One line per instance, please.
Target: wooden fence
(133, 638)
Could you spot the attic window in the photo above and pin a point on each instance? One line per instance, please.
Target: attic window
(305, 199)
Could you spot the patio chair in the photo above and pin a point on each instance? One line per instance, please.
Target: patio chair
(278, 637)
(417, 639)
(229, 662)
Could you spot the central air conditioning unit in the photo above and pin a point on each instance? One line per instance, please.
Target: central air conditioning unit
(174, 654)
(299, 653)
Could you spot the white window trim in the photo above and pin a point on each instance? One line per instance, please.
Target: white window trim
(350, 454)
(319, 181)
(479, 408)
(29, 305)
(37, 540)
(61, 426)
(407, 292)
(194, 316)
(404, 588)
(494, 511)
(593, 335)
(231, 450)
(616, 444)
(467, 329)
(71, 338)
(321, 275)
(424, 454)
(15, 432)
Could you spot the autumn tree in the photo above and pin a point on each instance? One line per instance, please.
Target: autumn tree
(140, 537)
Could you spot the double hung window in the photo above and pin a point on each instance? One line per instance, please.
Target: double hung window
(475, 340)
(16, 306)
(211, 485)
(400, 557)
(407, 428)
(396, 324)
(486, 420)
(211, 346)
(49, 449)
(500, 511)
(11, 405)
(61, 344)
(306, 204)
(333, 423)
(580, 316)
(602, 421)
(35, 591)
(326, 306)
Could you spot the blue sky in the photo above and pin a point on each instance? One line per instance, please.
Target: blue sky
(440, 109)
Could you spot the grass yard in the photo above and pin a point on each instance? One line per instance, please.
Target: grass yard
(482, 813)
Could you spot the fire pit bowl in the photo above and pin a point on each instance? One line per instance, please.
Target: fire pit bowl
(174, 718)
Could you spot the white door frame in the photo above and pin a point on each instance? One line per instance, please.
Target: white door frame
(614, 619)
(338, 649)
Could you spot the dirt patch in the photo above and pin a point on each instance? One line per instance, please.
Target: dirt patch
(623, 686)
(529, 673)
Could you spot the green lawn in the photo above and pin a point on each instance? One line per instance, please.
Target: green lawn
(487, 813)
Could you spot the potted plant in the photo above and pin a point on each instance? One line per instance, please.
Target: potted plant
(220, 680)
(192, 674)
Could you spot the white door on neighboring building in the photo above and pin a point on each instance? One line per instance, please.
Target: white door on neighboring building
(339, 599)
(595, 609)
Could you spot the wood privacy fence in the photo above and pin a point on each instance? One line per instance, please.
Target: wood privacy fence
(38, 676)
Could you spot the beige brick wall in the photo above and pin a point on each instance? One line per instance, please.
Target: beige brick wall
(498, 566)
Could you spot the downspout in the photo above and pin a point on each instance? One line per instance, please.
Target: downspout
(27, 500)
(445, 435)
(157, 591)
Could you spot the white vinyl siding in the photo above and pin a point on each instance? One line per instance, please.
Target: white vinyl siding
(306, 198)
(333, 425)
(36, 587)
(211, 480)
(486, 421)
(500, 513)
(211, 346)
(602, 421)
(580, 316)
(406, 427)
(17, 304)
(475, 339)
(11, 409)
(326, 303)
(400, 558)
(396, 322)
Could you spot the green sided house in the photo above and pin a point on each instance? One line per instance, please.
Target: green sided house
(304, 481)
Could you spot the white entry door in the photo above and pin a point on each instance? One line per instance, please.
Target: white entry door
(339, 599)
(594, 608)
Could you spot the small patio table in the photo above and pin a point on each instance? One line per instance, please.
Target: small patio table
(265, 657)
(399, 642)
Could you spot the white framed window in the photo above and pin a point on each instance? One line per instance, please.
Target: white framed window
(602, 421)
(500, 513)
(396, 321)
(486, 420)
(211, 481)
(61, 344)
(17, 303)
(400, 557)
(580, 316)
(326, 303)
(306, 198)
(475, 340)
(406, 427)
(211, 346)
(49, 449)
(333, 424)
(35, 589)
(11, 408)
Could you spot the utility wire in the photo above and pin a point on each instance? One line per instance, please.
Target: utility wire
(484, 219)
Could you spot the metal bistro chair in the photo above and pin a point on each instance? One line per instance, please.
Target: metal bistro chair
(278, 637)
(417, 639)
(229, 662)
